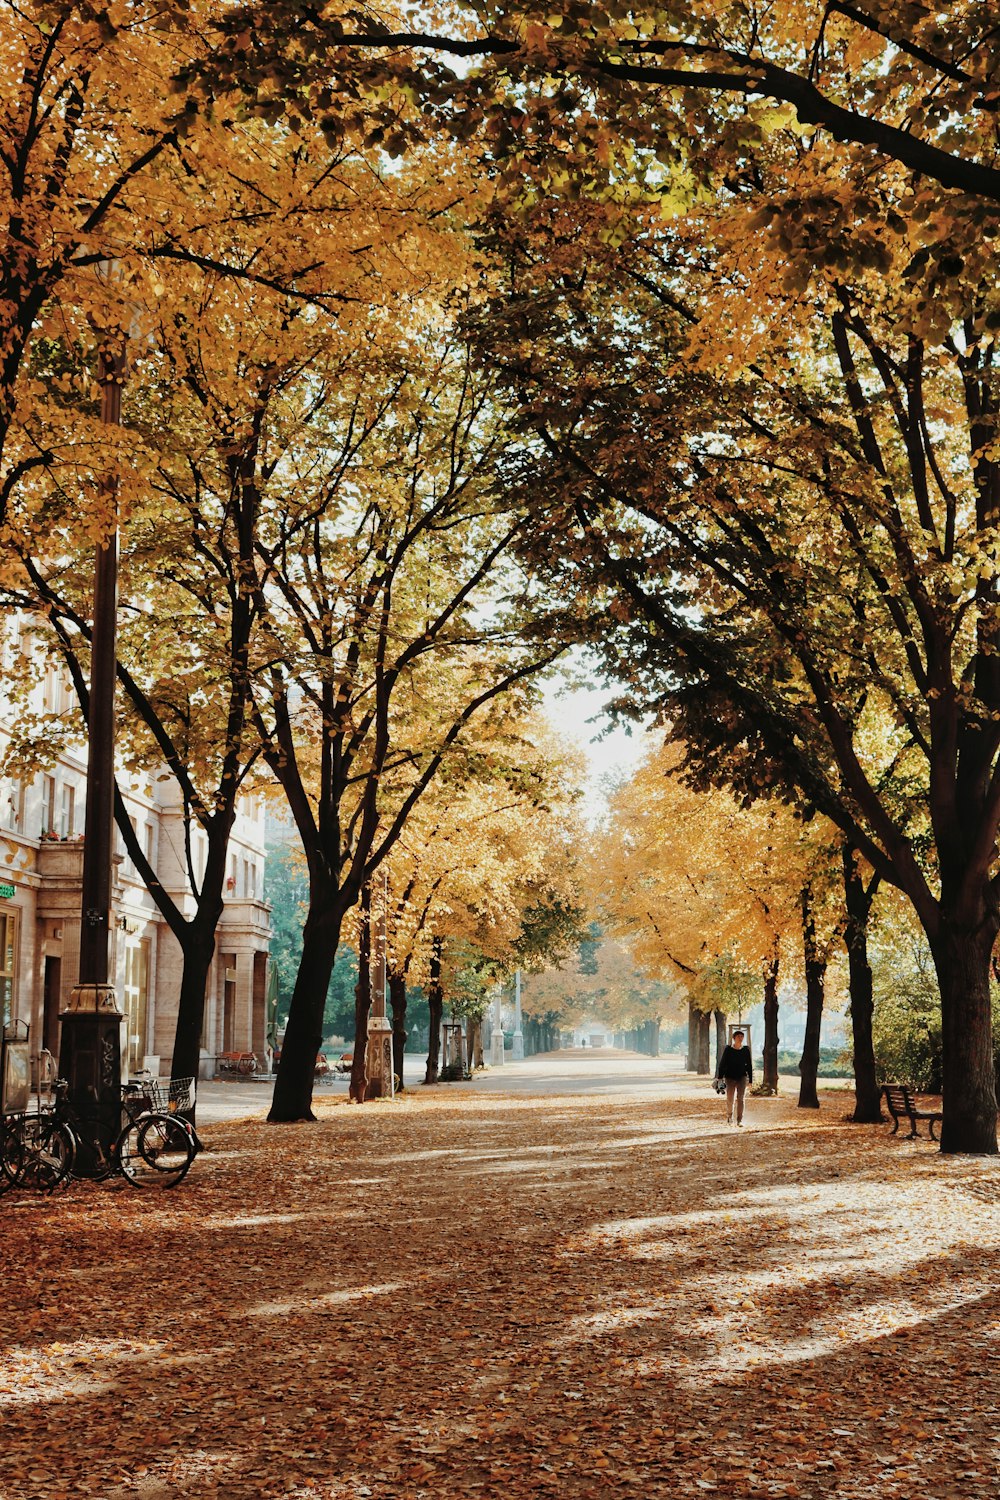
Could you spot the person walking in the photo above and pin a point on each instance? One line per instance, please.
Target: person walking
(736, 1067)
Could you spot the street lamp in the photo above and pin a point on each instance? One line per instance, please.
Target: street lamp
(378, 1063)
(90, 1045)
(517, 1054)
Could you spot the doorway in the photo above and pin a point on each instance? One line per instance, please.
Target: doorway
(136, 1001)
(51, 1005)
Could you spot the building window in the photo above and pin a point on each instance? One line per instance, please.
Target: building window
(11, 632)
(8, 948)
(67, 812)
(11, 804)
(48, 805)
(136, 1001)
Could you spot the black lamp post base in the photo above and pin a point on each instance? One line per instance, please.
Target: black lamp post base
(90, 1050)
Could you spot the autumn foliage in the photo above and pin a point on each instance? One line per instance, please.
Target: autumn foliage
(458, 334)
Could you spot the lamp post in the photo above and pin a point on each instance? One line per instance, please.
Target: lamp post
(496, 1030)
(378, 1061)
(90, 1047)
(517, 1055)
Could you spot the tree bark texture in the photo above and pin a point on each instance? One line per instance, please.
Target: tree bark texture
(362, 999)
(292, 1099)
(198, 950)
(769, 1077)
(477, 1049)
(397, 1004)
(435, 1005)
(720, 1034)
(858, 904)
(703, 1054)
(962, 958)
(815, 967)
(691, 1061)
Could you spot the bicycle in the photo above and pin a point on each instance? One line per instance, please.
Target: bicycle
(11, 1152)
(31, 1155)
(149, 1147)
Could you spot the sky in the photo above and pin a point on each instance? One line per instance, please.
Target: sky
(577, 714)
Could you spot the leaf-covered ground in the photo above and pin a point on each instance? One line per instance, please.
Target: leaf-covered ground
(462, 1294)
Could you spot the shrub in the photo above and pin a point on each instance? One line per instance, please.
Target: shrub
(832, 1063)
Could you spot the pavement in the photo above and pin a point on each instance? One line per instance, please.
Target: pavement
(581, 1286)
(571, 1071)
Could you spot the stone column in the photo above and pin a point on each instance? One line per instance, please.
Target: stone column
(90, 1048)
(496, 1035)
(378, 1058)
(517, 1054)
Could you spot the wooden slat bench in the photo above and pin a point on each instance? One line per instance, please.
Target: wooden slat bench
(900, 1103)
(237, 1062)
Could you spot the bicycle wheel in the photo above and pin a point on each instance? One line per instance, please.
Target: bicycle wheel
(155, 1151)
(11, 1153)
(48, 1151)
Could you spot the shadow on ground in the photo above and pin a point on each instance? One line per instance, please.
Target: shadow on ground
(471, 1294)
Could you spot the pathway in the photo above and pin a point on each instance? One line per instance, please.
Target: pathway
(583, 1294)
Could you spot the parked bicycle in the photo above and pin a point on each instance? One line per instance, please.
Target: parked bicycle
(145, 1139)
(31, 1155)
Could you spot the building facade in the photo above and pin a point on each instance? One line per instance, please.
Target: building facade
(41, 862)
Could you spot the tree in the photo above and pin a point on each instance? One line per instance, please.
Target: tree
(73, 75)
(484, 868)
(859, 894)
(384, 639)
(915, 85)
(707, 890)
(286, 890)
(612, 988)
(793, 524)
(230, 357)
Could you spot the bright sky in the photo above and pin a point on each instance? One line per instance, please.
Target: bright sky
(578, 715)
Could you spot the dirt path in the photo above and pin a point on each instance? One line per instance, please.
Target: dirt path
(497, 1296)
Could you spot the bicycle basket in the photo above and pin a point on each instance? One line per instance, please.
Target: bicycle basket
(171, 1095)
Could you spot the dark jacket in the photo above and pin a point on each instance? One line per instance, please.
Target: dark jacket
(735, 1063)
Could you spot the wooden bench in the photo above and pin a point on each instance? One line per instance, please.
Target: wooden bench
(900, 1104)
(237, 1062)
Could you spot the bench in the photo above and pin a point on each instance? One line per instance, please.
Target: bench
(900, 1104)
(237, 1062)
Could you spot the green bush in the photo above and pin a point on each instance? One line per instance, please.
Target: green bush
(906, 1026)
(832, 1063)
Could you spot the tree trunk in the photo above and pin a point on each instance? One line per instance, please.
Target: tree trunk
(815, 967)
(435, 1004)
(198, 951)
(962, 958)
(691, 1061)
(703, 1054)
(770, 1069)
(654, 1046)
(858, 902)
(479, 1060)
(720, 1034)
(397, 1004)
(292, 1099)
(362, 999)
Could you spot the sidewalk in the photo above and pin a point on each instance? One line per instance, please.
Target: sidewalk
(465, 1293)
